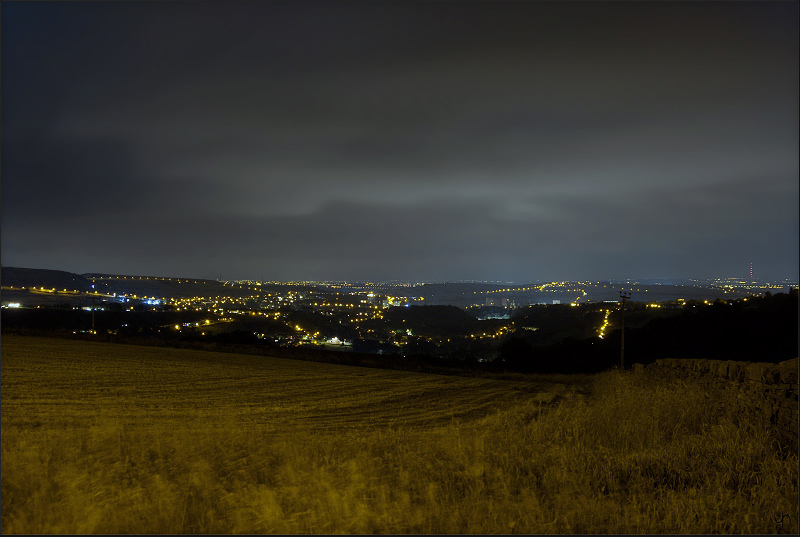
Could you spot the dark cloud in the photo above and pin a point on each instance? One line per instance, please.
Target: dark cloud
(436, 140)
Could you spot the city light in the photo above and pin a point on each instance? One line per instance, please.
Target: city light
(606, 322)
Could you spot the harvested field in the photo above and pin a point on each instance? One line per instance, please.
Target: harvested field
(103, 438)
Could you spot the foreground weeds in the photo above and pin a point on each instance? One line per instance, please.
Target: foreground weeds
(638, 455)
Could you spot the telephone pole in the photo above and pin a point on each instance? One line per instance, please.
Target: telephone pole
(623, 296)
(92, 305)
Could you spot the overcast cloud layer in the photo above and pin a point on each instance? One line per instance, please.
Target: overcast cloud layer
(401, 140)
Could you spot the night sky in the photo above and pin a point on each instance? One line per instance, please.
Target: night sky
(426, 141)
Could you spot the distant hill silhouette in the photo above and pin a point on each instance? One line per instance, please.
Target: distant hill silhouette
(59, 279)
(130, 285)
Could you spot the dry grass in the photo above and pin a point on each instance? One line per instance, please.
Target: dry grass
(114, 439)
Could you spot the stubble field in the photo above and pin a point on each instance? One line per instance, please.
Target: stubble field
(103, 438)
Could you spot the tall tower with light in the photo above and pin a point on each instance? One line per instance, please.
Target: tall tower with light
(751, 270)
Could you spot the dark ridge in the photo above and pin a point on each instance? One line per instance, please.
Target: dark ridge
(58, 279)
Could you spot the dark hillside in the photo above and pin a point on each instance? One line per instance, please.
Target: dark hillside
(761, 329)
(49, 279)
(558, 322)
(430, 320)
